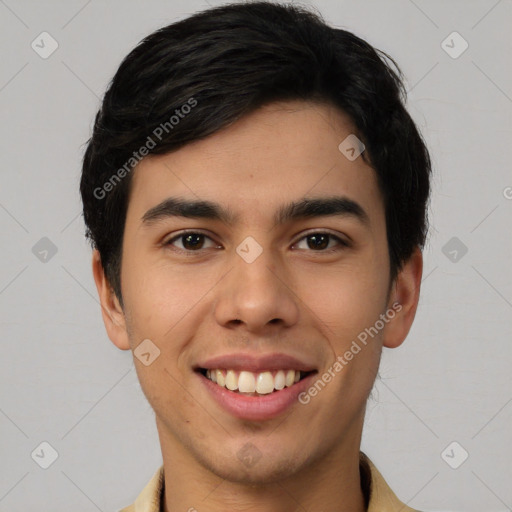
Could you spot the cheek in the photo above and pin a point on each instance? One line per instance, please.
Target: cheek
(158, 297)
(349, 285)
(347, 302)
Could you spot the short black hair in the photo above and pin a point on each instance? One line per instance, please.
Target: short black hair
(226, 62)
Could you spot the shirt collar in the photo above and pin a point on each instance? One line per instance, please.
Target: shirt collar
(379, 496)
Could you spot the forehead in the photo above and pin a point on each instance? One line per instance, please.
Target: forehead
(281, 152)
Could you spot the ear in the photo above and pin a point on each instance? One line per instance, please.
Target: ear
(405, 291)
(111, 310)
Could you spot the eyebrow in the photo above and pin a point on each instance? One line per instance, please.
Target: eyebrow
(304, 208)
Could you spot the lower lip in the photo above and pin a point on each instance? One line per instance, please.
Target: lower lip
(257, 408)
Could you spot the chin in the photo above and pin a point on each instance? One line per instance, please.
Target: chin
(261, 474)
(251, 465)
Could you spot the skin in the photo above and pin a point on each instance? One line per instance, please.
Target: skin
(293, 298)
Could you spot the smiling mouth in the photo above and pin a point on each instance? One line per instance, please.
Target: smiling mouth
(254, 383)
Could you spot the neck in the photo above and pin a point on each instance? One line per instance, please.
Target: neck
(331, 483)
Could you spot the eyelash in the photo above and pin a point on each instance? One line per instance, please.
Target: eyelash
(341, 243)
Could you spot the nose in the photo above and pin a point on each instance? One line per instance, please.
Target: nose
(256, 295)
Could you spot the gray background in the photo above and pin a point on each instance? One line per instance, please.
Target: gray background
(62, 381)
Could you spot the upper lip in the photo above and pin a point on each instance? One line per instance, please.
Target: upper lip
(255, 363)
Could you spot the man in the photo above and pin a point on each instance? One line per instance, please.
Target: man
(256, 196)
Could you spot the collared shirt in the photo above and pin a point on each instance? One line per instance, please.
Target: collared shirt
(378, 495)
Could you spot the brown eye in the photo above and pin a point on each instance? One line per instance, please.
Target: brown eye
(193, 241)
(319, 241)
(190, 241)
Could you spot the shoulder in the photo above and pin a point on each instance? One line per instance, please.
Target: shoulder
(381, 496)
(149, 499)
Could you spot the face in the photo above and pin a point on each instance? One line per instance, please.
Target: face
(262, 287)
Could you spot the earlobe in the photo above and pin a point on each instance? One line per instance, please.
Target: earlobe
(111, 310)
(405, 291)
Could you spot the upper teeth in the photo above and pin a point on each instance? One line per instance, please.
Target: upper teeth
(249, 382)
